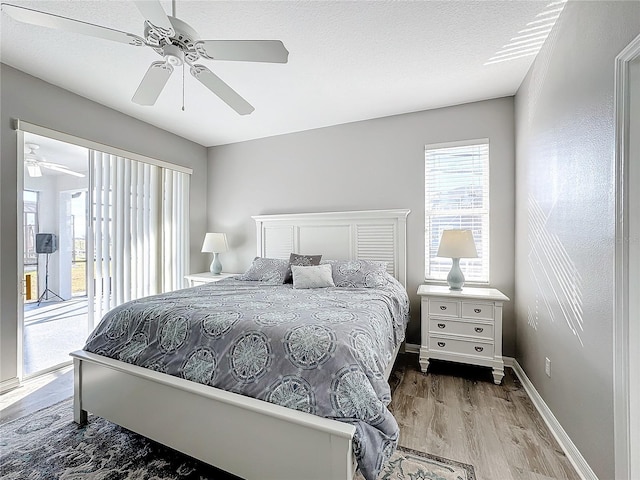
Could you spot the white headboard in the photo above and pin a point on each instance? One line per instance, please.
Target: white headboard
(366, 235)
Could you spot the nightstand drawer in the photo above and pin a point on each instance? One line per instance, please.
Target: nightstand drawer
(461, 347)
(444, 308)
(481, 311)
(456, 327)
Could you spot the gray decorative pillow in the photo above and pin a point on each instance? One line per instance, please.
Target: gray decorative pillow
(315, 276)
(301, 260)
(269, 270)
(358, 273)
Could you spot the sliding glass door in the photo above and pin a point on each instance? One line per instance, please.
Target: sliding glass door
(98, 229)
(54, 227)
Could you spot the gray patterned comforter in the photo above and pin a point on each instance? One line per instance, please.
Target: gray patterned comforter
(322, 351)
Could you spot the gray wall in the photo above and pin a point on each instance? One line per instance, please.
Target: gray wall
(565, 221)
(374, 164)
(32, 100)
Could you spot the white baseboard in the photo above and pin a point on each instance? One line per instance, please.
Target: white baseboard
(411, 348)
(571, 451)
(9, 384)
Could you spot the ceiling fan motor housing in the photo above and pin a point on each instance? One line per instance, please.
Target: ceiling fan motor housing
(32, 147)
(181, 46)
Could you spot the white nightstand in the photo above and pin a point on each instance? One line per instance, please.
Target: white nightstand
(206, 277)
(462, 326)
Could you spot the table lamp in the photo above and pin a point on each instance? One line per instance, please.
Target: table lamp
(215, 243)
(456, 244)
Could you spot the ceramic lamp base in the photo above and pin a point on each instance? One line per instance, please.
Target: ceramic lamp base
(455, 279)
(216, 266)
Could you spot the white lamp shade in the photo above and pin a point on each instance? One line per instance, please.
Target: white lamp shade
(457, 244)
(215, 243)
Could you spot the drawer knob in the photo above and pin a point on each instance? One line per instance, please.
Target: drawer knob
(441, 344)
(477, 310)
(443, 307)
(479, 329)
(479, 349)
(441, 325)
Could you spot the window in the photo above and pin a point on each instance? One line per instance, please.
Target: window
(457, 197)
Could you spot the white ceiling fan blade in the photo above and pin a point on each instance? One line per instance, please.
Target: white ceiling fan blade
(153, 12)
(45, 163)
(61, 169)
(50, 20)
(152, 84)
(272, 51)
(221, 89)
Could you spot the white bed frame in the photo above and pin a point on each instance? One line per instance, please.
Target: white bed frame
(250, 438)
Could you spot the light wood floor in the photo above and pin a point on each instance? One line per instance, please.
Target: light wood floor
(454, 411)
(36, 393)
(457, 412)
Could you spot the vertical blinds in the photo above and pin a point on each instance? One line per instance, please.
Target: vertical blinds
(139, 215)
(457, 197)
(175, 218)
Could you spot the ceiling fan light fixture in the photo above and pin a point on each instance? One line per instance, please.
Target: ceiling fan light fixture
(34, 170)
(173, 55)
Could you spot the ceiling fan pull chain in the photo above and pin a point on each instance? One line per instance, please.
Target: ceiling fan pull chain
(182, 85)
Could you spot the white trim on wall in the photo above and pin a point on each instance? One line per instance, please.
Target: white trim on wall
(9, 384)
(20, 256)
(459, 143)
(83, 142)
(411, 348)
(624, 347)
(562, 437)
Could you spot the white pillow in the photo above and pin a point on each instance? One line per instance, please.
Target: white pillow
(312, 276)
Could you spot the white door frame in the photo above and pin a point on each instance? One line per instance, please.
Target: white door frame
(627, 305)
(20, 255)
(21, 128)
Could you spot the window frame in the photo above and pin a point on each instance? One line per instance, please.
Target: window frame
(485, 213)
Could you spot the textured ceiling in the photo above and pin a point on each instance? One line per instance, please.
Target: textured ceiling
(348, 61)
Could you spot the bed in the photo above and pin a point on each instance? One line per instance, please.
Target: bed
(249, 437)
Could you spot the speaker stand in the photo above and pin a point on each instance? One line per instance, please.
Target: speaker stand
(47, 290)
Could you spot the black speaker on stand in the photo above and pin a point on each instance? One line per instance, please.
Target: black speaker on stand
(47, 243)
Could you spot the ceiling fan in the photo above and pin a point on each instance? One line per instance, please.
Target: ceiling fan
(176, 42)
(35, 164)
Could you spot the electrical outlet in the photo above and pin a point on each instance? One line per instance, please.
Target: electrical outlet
(547, 366)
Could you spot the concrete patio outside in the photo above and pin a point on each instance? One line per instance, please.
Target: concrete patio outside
(52, 330)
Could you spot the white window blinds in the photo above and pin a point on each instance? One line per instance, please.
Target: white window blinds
(175, 224)
(457, 197)
(139, 214)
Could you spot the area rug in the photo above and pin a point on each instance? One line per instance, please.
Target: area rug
(48, 445)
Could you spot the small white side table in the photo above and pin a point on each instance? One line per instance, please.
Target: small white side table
(206, 277)
(462, 326)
